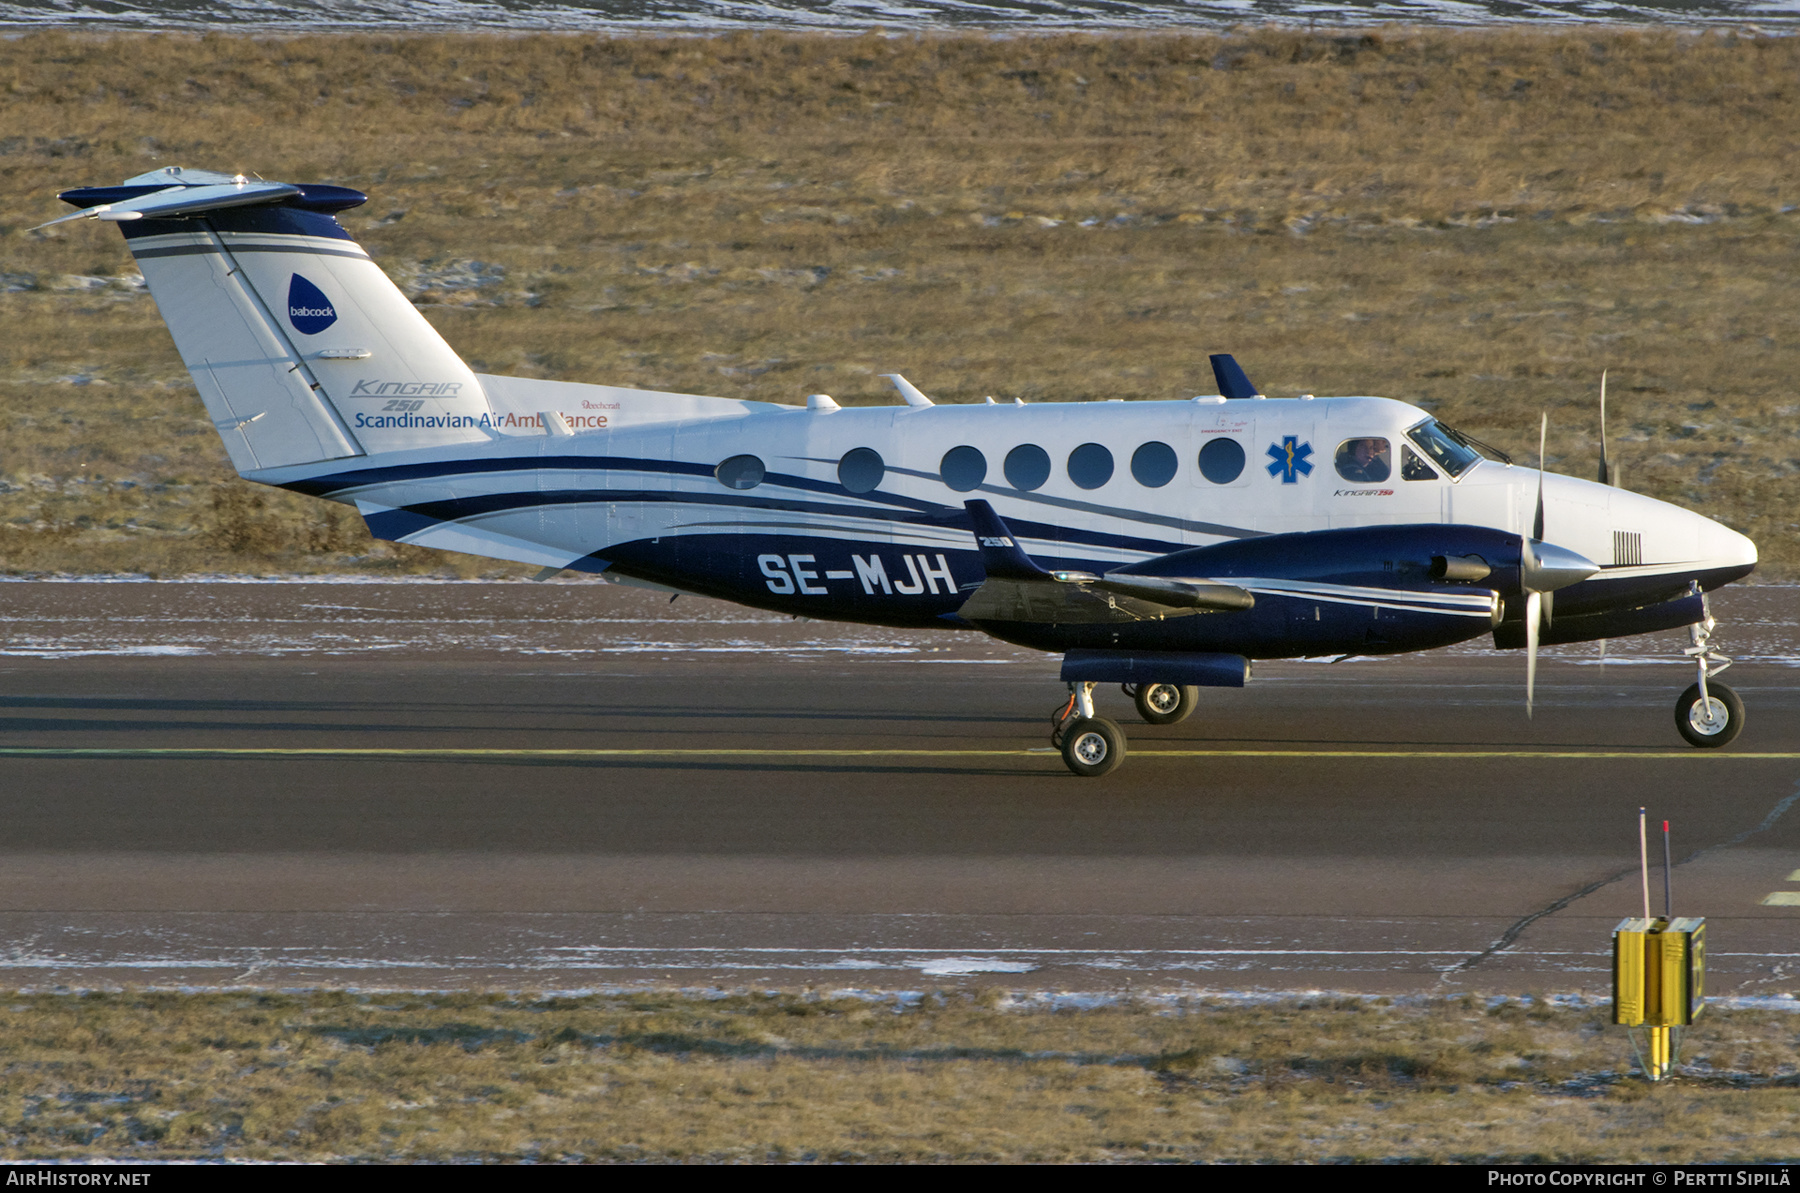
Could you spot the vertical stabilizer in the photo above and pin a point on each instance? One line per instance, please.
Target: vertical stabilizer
(301, 347)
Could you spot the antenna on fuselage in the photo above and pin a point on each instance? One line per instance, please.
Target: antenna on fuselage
(908, 390)
(1609, 472)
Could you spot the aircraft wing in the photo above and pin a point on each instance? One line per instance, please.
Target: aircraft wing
(1017, 589)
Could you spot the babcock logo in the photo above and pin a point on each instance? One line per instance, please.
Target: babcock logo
(308, 309)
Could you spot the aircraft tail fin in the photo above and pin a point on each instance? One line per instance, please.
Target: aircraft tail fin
(302, 348)
(1230, 376)
(1001, 554)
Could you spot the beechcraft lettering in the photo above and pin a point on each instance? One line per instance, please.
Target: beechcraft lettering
(1173, 542)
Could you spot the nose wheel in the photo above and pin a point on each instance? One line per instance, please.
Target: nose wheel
(1709, 719)
(1708, 715)
(1091, 745)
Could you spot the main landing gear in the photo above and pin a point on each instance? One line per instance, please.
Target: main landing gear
(1163, 703)
(1708, 715)
(1092, 745)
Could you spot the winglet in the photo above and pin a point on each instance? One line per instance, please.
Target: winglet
(908, 390)
(1230, 376)
(1001, 555)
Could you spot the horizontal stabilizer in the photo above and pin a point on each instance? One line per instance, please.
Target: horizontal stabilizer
(1156, 666)
(184, 200)
(1230, 376)
(1001, 555)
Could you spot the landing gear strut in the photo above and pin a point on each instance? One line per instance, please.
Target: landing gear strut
(1708, 715)
(1091, 745)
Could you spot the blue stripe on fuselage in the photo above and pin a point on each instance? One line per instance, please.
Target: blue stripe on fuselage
(923, 512)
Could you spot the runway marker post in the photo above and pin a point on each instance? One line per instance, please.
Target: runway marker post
(1659, 969)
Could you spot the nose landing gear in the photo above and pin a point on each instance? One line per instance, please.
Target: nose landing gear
(1708, 715)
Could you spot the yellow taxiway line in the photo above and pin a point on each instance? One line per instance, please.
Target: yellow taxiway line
(380, 752)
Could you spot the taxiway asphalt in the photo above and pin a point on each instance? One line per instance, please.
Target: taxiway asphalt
(573, 785)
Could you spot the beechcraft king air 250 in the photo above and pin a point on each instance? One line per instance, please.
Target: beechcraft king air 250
(1157, 545)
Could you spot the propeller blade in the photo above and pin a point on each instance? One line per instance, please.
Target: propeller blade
(1533, 601)
(1606, 477)
(1537, 523)
(1549, 608)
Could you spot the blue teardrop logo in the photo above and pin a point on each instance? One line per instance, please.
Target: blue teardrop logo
(308, 309)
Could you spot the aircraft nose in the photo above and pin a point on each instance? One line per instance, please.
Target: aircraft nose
(1721, 546)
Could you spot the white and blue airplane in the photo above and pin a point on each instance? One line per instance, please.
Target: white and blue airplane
(1158, 545)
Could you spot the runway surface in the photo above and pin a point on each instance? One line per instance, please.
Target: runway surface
(574, 785)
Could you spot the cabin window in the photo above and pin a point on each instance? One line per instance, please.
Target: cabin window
(1154, 464)
(1027, 467)
(963, 468)
(1444, 446)
(1413, 468)
(1090, 466)
(1222, 461)
(740, 472)
(1365, 461)
(861, 470)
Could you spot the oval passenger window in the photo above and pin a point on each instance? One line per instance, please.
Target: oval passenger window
(861, 470)
(1153, 465)
(740, 472)
(1222, 461)
(1365, 461)
(1027, 467)
(1090, 466)
(963, 468)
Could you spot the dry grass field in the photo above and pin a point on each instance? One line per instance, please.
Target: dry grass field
(754, 1077)
(1479, 221)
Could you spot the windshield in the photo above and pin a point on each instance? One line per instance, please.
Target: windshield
(1447, 449)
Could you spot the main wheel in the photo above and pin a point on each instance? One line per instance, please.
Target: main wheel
(1165, 703)
(1092, 746)
(1711, 724)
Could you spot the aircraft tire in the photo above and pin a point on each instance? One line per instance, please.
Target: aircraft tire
(1165, 703)
(1728, 716)
(1092, 746)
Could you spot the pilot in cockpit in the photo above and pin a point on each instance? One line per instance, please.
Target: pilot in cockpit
(1364, 460)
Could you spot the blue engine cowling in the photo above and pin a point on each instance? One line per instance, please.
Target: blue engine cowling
(1354, 595)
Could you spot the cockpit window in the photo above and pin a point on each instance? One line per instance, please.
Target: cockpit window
(1446, 448)
(1412, 467)
(1365, 461)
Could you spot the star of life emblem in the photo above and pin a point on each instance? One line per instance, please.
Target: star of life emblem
(1290, 462)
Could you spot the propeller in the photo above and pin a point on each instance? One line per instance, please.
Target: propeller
(1609, 472)
(1608, 475)
(1544, 568)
